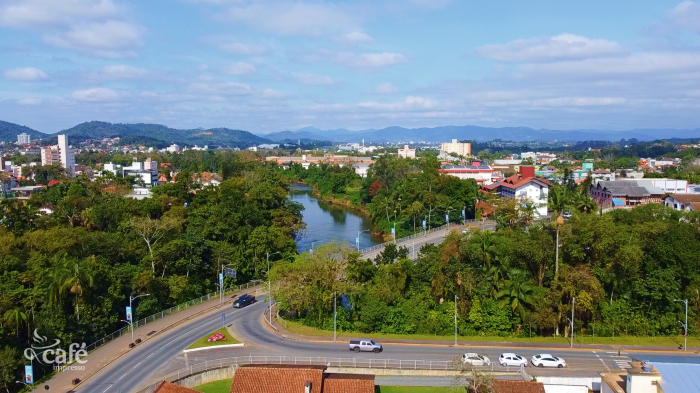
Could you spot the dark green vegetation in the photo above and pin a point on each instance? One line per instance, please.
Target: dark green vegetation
(9, 132)
(156, 132)
(401, 192)
(70, 274)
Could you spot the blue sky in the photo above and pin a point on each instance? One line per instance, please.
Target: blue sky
(272, 65)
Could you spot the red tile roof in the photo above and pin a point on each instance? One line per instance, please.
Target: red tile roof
(274, 378)
(167, 387)
(507, 386)
(348, 383)
(54, 182)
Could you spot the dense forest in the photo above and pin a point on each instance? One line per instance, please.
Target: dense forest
(69, 274)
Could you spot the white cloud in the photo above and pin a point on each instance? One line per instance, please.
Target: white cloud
(354, 37)
(293, 18)
(270, 94)
(560, 47)
(29, 101)
(28, 74)
(315, 80)
(386, 88)
(643, 63)
(120, 71)
(220, 88)
(238, 48)
(684, 17)
(97, 94)
(369, 60)
(110, 39)
(52, 13)
(410, 103)
(239, 69)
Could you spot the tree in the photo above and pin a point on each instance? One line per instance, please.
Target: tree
(77, 278)
(517, 291)
(10, 362)
(15, 317)
(153, 230)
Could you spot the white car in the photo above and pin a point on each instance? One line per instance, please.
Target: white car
(475, 359)
(547, 360)
(512, 359)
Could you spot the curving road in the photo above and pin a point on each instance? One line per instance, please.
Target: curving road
(163, 355)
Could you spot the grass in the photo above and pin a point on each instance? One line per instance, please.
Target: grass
(202, 342)
(299, 328)
(416, 389)
(223, 386)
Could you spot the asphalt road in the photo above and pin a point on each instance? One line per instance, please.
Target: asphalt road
(162, 354)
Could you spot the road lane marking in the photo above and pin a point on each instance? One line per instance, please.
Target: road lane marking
(604, 365)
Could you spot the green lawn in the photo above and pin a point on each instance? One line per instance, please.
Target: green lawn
(298, 328)
(223, 386)
(415, 389)
(202, 342)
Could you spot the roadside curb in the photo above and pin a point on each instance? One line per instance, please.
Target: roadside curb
(167, 328)
(213, 347)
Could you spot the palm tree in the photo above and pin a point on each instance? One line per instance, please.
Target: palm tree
(558, 199)
(15, 317)
(584, 203)
(75, 281)
(517, 291)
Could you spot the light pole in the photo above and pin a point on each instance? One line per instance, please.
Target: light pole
(394, 229)
(571, 321)
(269, 282)
(358, 238)
(455, 320)
(559, 223)
(335, 315)
(131, 299)
(685, 325)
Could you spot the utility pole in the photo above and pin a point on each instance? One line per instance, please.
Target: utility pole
(455, 320)
(685, 325)
(573, 302)
(335, 315)
(559, 222)
(269, 282)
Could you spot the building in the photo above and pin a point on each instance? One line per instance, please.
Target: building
(511, 386)
(669, 186)
(26, 192)
(524, 185)
(146, 172)
(49, 155)
(624, 193)
(458, 148)
(361, 168)
(406, 152)
(174, 148)
(274, 378)
(23, 139)
(687, 202)
(481, 172)
(643, 377)
(66, 154)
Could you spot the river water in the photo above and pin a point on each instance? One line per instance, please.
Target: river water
(326, 222)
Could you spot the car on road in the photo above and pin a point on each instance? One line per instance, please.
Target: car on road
(512, 360)
(364, 345)
(547, 360)
(244, 300)
(475, 359)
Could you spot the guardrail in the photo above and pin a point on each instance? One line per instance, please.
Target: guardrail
(170, 311)
(415, 236)
(369, 363)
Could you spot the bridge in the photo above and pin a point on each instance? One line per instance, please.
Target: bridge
(432, 236)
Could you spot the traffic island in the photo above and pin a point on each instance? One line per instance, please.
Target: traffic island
(221, 338)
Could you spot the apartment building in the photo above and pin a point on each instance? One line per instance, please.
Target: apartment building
(458, 148)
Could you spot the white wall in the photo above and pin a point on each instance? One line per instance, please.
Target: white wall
(592, 383)
(532, 192)
(565, 389)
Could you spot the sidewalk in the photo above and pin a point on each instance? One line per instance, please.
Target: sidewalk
(106, 354)
(345, 336)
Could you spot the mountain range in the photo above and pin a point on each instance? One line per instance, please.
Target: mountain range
(158, 134)
(447, 133)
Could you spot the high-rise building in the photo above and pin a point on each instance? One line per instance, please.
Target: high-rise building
(23, 139)
(461, 149)
(66, 154)
(49, 155)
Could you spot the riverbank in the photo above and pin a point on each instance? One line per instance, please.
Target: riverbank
(335, 201)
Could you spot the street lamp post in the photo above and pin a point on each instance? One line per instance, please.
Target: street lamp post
(131, 299)
(358, 237)
(685, 325)
(573, 302)
(455, 320)
(269, 282)
(335, 315)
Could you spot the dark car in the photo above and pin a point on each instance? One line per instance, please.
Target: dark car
(243, 301)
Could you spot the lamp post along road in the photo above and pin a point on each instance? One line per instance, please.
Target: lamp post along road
(269, 282)
(131, 323)
(335, 315)
(455, 320)
(358, 238)
(573, 302)
(685, 325)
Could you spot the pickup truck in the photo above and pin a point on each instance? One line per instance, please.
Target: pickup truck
(364, 345)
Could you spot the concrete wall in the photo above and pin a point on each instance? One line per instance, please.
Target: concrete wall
(207, 376)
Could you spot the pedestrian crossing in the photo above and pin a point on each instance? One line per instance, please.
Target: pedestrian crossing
(620, 359)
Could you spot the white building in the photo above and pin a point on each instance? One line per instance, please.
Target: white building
(146, 171)
(688, 202)
(174, 148)
(481, 173)
(66, 154)
(525, 186)
(49, 155)
(461, 149)
(670, 186)
(23, 139)
(406, 152)
(361, 168)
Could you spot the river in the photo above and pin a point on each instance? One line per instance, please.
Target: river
(326, 221)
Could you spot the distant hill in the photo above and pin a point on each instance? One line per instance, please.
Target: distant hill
(293, 136)
(521, 134)
(9, 132)
(156, 132)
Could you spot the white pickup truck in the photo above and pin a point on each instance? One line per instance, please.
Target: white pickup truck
(364, 345)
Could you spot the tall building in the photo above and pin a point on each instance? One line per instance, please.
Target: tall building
(406, 152)
(23, 139)
(66, 154)
(49, 155)
(461, 149)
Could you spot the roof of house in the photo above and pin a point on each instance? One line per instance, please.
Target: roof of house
(617, 381)
(482, 167)
(508, 386)
(679, 377)
(167, 387)
(686, 199)
(280, 378)
(517, 181)
(624, 188)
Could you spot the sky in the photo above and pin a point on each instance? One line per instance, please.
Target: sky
(274, 65)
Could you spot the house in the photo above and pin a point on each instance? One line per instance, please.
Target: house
(277, 378)
(623, 193)
(25, 192)
(689, 202)
(524, 185)
(167, 387)
(481, 172)
(406, 152)
(512, 386)
(643, 377)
